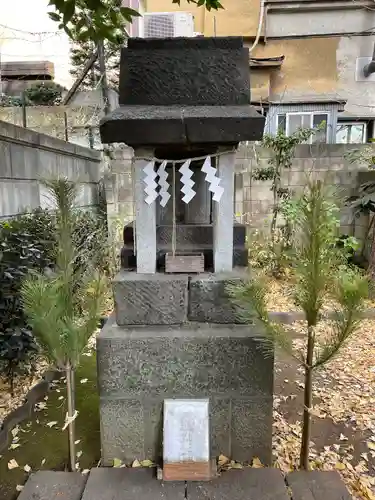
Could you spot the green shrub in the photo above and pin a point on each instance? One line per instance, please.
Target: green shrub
(47, 93)
(26, 244)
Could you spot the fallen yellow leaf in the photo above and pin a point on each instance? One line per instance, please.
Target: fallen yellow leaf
(257, 464)
(12, 464)
(223, 460)
(136, 463)
(235, 465)
(146, 463)
(117, 462)
(340, 466)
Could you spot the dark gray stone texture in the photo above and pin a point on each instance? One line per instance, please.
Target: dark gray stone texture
(150, 299)
(185, 72)
(317, 485)
(154, 126)
(209, 43)
(129, 260)
(48, 485)
(139, 367)
(186, 234)
(130, 484)
(190, 238)
(209, 300)
(245, 484)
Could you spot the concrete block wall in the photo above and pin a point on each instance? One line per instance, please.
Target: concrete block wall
(253, 199)
(26, 157)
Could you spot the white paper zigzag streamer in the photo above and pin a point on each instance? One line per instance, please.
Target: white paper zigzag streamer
(164, 186)
(187, 182)
(151, 184)
(212, 179)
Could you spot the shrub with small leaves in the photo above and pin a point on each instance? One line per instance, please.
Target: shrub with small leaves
(26, 244)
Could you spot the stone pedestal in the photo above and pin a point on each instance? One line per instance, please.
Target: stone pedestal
(186, 353)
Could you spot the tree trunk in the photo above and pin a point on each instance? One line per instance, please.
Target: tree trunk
(71, 410)
(371, 267)
(306, 426)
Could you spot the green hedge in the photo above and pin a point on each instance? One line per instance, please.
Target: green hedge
(27, 243)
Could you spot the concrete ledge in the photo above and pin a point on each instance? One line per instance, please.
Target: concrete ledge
(150, 299)
(130, 484)
(48, 485)
(245, 484)
(319, 485)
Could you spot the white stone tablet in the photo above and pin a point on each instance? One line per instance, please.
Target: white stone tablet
(186, 430)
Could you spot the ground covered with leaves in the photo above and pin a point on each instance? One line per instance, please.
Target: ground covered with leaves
(343, 431)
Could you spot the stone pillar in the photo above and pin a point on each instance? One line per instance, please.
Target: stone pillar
(223, 215)
(198, 211)
(145, 217)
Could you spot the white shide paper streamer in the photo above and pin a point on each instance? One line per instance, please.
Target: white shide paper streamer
(151, 184)
(212, 179)
(187, 182)
(164, 186)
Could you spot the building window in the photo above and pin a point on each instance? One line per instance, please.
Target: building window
(351, 133)
(291, 122)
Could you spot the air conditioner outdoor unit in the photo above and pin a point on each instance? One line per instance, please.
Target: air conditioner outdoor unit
(168, 24)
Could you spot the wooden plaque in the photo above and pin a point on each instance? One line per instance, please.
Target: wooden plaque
(184, 263)
(186, 447)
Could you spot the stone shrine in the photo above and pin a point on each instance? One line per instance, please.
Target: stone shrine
(184, 107)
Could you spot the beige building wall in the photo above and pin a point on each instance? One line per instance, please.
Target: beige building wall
(240, 17)
(319, 67)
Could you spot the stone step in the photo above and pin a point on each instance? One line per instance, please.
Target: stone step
(317, 485)
(244, 484)
(48, 485)
(142, 484)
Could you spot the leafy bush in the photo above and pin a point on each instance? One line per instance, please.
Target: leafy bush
(44, 94)
(9, 101)
(27, 244)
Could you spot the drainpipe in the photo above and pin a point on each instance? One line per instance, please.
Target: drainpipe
(260, 24)
(370, 67)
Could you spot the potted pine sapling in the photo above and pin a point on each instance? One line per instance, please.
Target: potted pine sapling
(320, 270)
(63, 306)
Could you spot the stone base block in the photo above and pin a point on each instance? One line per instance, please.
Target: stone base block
(48, 485)
(317, 484)
(150, 299)
(209, 300)
(127, 484)
(140, 367)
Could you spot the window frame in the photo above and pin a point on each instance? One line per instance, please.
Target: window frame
(311, 113)
(359, 122)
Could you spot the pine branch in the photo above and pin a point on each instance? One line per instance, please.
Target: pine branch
(351, 288)
(250, 297)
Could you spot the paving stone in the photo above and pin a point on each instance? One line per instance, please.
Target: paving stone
(48, 485)
(317, 485)
(245, 484)
(130, 484)
(150, 299)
